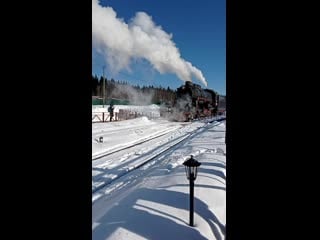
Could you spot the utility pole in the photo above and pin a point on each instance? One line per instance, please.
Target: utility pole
(104, 88)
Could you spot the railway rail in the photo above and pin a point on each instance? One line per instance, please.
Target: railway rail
(108, 174)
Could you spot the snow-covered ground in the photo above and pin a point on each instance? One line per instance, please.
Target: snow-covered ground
(120, 134)
(140, 190)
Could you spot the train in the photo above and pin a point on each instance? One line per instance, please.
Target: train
(193, 102)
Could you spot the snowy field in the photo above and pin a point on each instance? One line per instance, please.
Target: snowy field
(139, 186)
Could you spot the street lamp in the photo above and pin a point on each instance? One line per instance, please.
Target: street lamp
(191, 168)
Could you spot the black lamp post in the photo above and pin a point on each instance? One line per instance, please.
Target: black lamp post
(191, 167)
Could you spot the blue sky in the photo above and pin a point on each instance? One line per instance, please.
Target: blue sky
(199, 32)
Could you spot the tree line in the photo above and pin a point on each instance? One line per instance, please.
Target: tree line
(122, 90)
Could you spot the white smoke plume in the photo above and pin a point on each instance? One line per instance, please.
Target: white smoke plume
(120, 42)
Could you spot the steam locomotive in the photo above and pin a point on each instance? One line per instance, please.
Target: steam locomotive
(193, 102)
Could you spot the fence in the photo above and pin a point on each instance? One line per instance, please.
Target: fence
(123, 114)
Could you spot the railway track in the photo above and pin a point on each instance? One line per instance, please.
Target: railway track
(113, 136)
(134, 164)
(119, 149)
(112, 175)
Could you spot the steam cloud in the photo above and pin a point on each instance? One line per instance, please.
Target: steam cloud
(131, 94)
(120, 42)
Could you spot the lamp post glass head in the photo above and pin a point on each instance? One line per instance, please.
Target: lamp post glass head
(191, 168)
